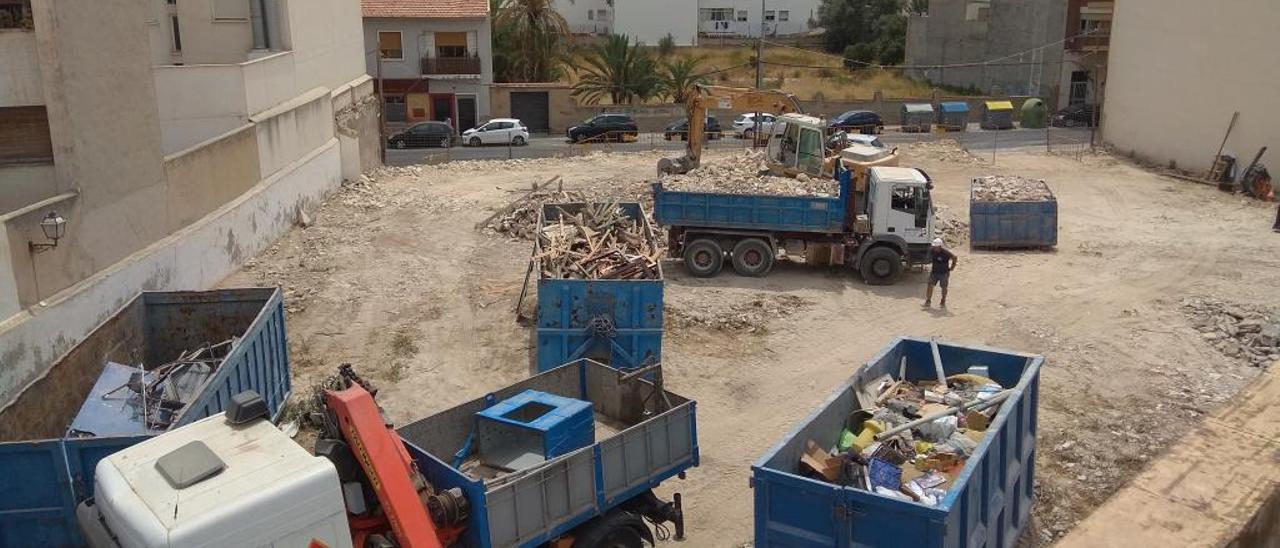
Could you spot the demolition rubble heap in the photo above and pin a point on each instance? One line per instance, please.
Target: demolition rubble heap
(745, 173)
(1010, 188)
(599, 242)
(1244, 332)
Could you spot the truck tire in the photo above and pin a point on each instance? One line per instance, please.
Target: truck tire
(752, 258)
(617, 529)
(880, 266)
(703, 258)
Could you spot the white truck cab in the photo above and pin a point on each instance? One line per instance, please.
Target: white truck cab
(901, 205)
(214, 484)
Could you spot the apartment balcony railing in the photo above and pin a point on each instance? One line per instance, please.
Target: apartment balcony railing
(1094, 41)
(451, 65)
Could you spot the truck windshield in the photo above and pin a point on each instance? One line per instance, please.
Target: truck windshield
(913, 200)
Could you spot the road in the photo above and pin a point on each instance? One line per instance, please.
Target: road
(977, 140)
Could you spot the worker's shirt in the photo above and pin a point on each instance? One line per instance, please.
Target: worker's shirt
(941, 259)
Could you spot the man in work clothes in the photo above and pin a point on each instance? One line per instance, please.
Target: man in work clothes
(943, 263)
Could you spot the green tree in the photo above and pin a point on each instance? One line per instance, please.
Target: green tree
(679, 77)
(865, 31)
(623, 71)
(530, 39)
(666, 46)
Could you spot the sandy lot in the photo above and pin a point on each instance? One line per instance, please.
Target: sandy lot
(392, 276)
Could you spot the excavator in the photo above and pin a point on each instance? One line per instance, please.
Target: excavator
(797, 145)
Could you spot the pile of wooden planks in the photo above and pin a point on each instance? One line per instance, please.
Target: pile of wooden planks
(597, 242)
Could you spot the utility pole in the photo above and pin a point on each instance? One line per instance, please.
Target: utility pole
(755, 137)
(382, 107)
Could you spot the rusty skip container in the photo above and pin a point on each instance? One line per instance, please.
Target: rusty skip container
(47, 471)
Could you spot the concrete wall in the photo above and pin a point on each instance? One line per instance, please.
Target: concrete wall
(412, 40)
(649, 21)
(356, 123)
(326, 41)
(1172, 103)
(203, 178)
(799, 13)
(947, 36)
(293, 131)
(198, 102)
(25, 184)
(19, 69)
(214, 31)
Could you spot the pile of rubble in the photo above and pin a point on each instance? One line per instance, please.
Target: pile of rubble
(952, 229)
(597, 242)
(751, 316)
(1248, 333)
(947, 150)
(519, 219)
(1010, 188)
(744, 173)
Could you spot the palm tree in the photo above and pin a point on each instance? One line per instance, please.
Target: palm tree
(533, 37)
(617, 69)
(680, 76)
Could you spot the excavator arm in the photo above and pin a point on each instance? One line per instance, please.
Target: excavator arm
(727, 98)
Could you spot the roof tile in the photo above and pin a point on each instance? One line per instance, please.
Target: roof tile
(425, 8)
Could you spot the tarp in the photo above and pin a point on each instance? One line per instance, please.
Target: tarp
(957, 106)
(999, 105)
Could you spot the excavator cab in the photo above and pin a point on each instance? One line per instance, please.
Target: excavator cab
(797, 146)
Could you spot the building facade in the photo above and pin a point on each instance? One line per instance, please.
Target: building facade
(649, 21)
(1085, 52)
(588, 17)
(742, 17)
(1010, 47)
(176, 137)
(436, 59)
(1177, 72)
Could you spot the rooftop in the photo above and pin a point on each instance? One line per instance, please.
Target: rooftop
(425, 9)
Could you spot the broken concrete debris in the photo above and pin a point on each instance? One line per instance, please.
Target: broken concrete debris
(1010, 188)
(745, 173)
(751, 316)
(598, 242)
(1247, 333)
(910, 440)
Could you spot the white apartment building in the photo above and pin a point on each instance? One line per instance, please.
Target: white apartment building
(742, 17)
(176, 138)
(649, 21)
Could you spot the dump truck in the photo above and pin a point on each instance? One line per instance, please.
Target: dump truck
(566, 458)
(877, 225)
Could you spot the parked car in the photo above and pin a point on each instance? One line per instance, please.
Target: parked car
(856, 121)
(426, 134)
(744, 126)
(680, 129)
(1078, 115)
(498, 131)
(843, 139)
(606, 127)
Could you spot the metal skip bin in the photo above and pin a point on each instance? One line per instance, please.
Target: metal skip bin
(987, 504)
(47, 471)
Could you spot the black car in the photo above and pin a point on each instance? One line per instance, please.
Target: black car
(426, 134)
(1078, 115)
(680, 129)
(604, 127)
(856, 121)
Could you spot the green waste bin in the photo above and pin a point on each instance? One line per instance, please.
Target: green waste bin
(1034, 114)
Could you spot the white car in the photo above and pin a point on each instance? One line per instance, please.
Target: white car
(744, 126)
(498, 131)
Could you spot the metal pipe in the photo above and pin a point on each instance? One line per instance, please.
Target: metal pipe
(974, 405)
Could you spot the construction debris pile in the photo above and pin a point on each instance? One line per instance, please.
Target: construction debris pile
(752, 316)
(745, 173)
(952, 229)
(597, 242)
(1010, 188)
(909, 440)
(946, 150)
(519, 219)
(1247, 333)
(133, 400)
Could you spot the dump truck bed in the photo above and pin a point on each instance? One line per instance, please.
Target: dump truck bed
(759, 212)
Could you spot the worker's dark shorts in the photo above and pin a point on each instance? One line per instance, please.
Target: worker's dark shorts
(939, 278)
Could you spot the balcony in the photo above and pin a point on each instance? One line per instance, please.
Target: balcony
(1099, 40)
(451, 65)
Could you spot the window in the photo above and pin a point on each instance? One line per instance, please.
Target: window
(177, 34)
(602, 15)
(1093, 26)
(742, 16)
(716, 14)
(591, 15)
(770, 15)
(784, 15)
(451, 45)
(811, 151)
(912, 200)
(390, 45)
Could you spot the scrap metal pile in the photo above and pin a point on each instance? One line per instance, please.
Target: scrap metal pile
(597, 242)
(1010, 188)
(745, 173)
(909, 440)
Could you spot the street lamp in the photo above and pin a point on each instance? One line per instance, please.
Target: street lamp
(54, 227)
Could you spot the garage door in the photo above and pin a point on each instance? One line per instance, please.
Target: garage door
(531, 107)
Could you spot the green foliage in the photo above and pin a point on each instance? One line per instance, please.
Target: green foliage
(618, 69)
(666, 46)
(530, 41)
(865, 31)
(679, 77)
(918, 7)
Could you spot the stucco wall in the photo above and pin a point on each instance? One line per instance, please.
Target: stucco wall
(25, 184)
(203, 178)
(1169, 98)
(293, 130)
(19, 69)
(326, 41)
(209, 40)
(412, 31)
(649, 21)
(356, 123)
(198, 102)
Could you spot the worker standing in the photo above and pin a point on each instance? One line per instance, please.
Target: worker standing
(943, 263)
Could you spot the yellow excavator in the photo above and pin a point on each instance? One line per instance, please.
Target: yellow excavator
(725, 98)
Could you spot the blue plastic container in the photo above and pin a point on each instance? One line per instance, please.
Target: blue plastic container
(535, 423)
(1013, 224)
(953, 115)
(616, 322)
(42, 480)
(988, 505)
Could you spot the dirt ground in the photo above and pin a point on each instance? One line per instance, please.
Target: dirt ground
(393, 276)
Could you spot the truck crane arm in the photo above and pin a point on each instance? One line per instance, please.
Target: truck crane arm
(729, 98)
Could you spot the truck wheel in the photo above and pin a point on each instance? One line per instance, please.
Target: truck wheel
(752, 257)
(618, 529)
(880, 266)
(703, 258)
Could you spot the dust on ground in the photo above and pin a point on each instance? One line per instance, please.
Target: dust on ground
(393, 276)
